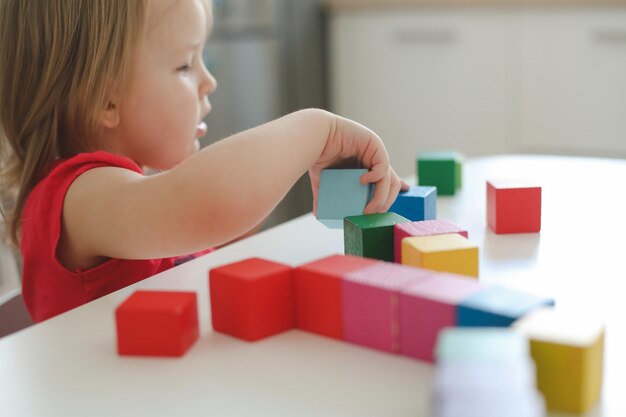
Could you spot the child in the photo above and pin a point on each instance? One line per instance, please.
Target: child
(93, 90)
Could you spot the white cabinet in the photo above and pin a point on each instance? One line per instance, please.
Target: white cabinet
(573, 81)
(483, 79)
(424, 79)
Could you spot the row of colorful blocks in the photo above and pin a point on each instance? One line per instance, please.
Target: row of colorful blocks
(381, 305)
(485, 372)
(512, 206)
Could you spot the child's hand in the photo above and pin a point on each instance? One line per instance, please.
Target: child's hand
(349, 141)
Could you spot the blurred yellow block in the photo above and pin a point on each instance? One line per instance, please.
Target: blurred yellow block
(447, 253)
(568, 350)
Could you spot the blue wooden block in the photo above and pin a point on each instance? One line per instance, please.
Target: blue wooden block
(416, 204)
(341, 194)
(497, 307)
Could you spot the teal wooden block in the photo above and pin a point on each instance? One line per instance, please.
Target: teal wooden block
(481, 344)
(441, 169)
(341, 195)
(371, 235)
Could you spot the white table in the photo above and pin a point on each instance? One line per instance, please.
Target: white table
(68, 366)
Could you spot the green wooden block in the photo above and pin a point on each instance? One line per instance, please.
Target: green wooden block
(441, 169)
(371, 235)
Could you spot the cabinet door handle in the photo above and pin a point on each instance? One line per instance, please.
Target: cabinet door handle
(610, 36)
(425, 36)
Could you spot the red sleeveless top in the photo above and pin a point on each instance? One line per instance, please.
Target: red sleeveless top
(48, 287)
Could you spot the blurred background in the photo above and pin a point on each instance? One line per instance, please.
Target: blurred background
(478, 76)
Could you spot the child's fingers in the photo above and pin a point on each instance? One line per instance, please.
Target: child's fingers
(394, 188)
(381, 191)
(374, 175)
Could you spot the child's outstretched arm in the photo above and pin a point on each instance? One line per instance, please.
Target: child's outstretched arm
(217, 194)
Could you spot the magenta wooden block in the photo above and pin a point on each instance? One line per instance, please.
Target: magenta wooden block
(421, 228)
(428, 306)
(370, 303)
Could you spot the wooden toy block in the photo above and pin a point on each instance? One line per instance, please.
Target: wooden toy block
(460, 376)
(447, 253)
(371, 235)
(318, 301)
(498, 307)
(252, 299)
(157, 323)
(513, 207)
(481, 345)
(370, 304)
(428, 306)
(441, 169)
(418, 203)
(341, 195)
(421, 228)
(568, 350)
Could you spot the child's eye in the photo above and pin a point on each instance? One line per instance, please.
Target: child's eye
(184, 68)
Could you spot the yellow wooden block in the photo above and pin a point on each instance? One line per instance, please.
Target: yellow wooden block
(448, 253)
(568, 350)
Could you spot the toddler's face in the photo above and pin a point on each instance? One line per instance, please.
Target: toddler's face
(161, 113)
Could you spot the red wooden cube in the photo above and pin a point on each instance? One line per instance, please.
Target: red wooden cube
(252, 299)
(513, 207)
(157, 323)
(319, 307)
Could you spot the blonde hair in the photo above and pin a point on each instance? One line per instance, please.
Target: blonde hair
(61, 62)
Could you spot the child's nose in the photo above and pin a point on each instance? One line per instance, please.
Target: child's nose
(208, 83)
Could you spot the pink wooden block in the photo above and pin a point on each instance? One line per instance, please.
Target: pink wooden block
(370, 303)
(428, 306)
(421, 228)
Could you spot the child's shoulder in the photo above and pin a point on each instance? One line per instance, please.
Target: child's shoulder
(62, 172)
(85, 161)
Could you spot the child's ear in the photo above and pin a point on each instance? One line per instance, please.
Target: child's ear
(111, 116)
